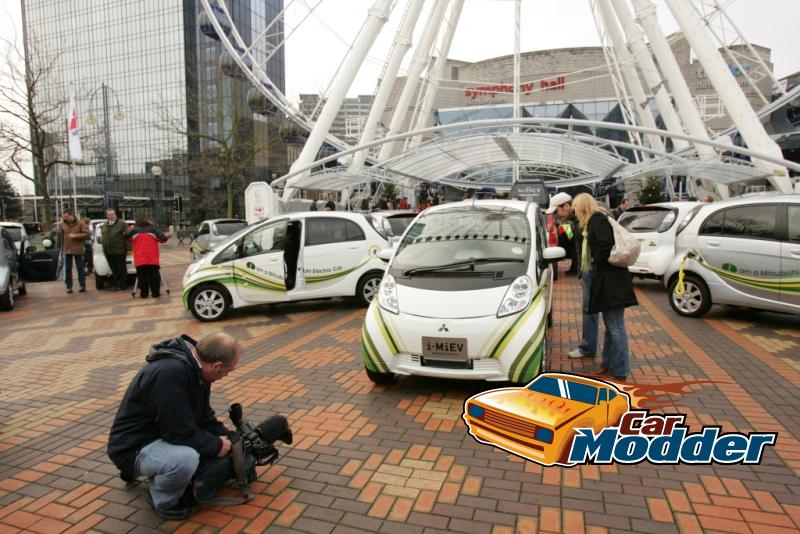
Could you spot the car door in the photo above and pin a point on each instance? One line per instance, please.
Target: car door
(790, 258)
(333, 251)
(258, 269)
(740, 245)
(11, 259)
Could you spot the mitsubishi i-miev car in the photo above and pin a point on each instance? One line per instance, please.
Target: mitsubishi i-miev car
(657, 226)
(467, 294)
(744, 252)
(291, 257)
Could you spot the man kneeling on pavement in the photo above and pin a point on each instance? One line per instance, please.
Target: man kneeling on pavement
(165, 428)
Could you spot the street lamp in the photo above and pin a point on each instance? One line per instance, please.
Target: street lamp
(155, 170)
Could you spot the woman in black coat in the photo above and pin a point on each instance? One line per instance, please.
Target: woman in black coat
(612, 288)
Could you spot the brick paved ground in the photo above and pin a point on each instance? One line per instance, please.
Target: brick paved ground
(383, 459)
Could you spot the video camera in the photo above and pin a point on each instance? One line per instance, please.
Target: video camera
(258, 440)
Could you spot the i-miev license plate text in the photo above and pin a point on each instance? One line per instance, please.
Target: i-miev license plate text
(444, 348)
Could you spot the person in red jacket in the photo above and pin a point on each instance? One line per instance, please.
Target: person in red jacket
(145, 238)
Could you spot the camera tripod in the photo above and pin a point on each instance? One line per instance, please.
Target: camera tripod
(162, 284)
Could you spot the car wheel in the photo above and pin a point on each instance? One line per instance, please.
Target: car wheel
(695, 300)
(209, 302)
(7, 300)
(380, 378)
(367, 287)
(99, 282)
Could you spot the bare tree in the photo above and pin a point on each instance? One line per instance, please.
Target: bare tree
(32, 128)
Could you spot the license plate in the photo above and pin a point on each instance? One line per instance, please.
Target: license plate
(445, 348)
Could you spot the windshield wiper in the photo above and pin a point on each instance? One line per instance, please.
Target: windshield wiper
(464, 265)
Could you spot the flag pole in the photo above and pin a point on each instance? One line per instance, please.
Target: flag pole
(74, 192)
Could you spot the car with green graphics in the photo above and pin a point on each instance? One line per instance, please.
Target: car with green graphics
(467, 294)
(291, 257)
(742, 252)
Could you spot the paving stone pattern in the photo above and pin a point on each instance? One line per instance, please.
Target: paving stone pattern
(390, 459)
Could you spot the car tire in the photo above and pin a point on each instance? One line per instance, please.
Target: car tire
(367, 287)
(7, 300)
(209, 302)
(380, 378)
(695, 301)
(99, 282)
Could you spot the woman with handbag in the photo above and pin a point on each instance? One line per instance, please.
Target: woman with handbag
(611, 289)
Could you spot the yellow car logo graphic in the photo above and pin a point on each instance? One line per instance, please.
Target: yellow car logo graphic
(538, 421)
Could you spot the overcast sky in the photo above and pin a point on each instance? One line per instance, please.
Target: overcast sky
(485, 30)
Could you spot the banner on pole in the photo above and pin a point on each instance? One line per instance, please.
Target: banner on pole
(73, 136)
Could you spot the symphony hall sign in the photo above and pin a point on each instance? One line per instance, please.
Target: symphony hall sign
(557, 83)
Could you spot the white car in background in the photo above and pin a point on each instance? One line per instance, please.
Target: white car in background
(656, 226)
(467, 295)
(17, 232)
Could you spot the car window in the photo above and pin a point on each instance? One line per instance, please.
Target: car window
(713, 225)
(794, 224)
(15, 232)
(399, 223)
(602, 397)
(270, 238)
(203, 230)
(566, 389)
(322, 231)
(226, 255)
(648, 220)
(611, 395)
(228, 228)
(9, 246)
(756, 222)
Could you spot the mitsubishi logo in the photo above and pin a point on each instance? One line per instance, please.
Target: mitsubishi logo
(443, 328)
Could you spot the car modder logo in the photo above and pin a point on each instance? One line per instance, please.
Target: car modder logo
(564, 419)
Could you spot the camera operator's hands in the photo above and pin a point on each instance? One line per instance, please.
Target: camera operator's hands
(226, 446)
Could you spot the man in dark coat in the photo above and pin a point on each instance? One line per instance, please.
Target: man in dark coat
(115, 248)
(165, 424)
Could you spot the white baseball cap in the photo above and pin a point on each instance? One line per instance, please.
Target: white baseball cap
(556, 200)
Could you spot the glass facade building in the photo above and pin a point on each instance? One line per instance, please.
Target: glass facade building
(148, 86)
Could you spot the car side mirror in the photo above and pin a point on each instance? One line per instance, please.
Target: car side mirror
(553, 254)
(385, 254)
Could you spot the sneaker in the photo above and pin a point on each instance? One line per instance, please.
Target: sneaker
(577, 353)
(177, 513)
(69, 290)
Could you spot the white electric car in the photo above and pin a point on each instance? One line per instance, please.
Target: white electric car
(467, 294)
(656, 226)
(102, 270)
(292, 257)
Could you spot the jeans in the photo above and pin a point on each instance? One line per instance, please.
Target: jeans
(79, 266)
(170, 468)
(615, 344)
(591, 321)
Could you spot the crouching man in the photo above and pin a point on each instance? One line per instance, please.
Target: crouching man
(165, 426)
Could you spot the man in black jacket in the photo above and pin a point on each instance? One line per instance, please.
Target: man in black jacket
(165, 423)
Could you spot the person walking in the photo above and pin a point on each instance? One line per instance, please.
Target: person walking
(611, 286)
(145, 238)
(115, 248)
(75, 233)
(623, 206)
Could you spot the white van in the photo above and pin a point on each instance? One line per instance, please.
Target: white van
(467, 294)
(292, 257)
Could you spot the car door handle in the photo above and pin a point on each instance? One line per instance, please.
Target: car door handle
(712, 243)
(352, 248)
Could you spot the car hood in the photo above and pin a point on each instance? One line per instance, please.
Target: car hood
(537, 407)
(450, 304)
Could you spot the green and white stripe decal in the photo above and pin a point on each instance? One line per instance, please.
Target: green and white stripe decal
(773, 285)
(527, 363)
(388, 331)
(372, 359)
(505, 338)
(232, 276)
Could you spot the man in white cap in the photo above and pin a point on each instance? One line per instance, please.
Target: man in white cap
(561, 205)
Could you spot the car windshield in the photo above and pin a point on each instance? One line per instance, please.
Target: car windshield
(640, 220)
(228, 228)
(399, 223)
(566, 389)
(447, 237)
(220, 245)
(15, 232)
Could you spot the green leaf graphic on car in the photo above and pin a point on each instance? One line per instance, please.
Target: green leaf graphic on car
(731, 268)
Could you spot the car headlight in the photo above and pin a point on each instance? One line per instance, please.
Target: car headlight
(545, 435)
(517, 297)
(193, 269)
(387, 295)
(475, 411)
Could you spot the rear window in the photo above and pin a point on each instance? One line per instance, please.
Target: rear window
(15, 232)
(399, 223)
(229, 228)
(650, 219)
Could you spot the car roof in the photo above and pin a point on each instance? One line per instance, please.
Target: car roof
(12, 224)
(761, 199)
(214, 221)
(518, 205)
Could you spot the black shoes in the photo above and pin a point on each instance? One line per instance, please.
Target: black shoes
(177, 513)
(82, 290)
(69, 291)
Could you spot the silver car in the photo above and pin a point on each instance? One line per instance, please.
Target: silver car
(211, 232)
(10, 280)
(744, 252)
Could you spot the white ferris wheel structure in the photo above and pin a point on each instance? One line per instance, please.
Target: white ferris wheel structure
(412, 149)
